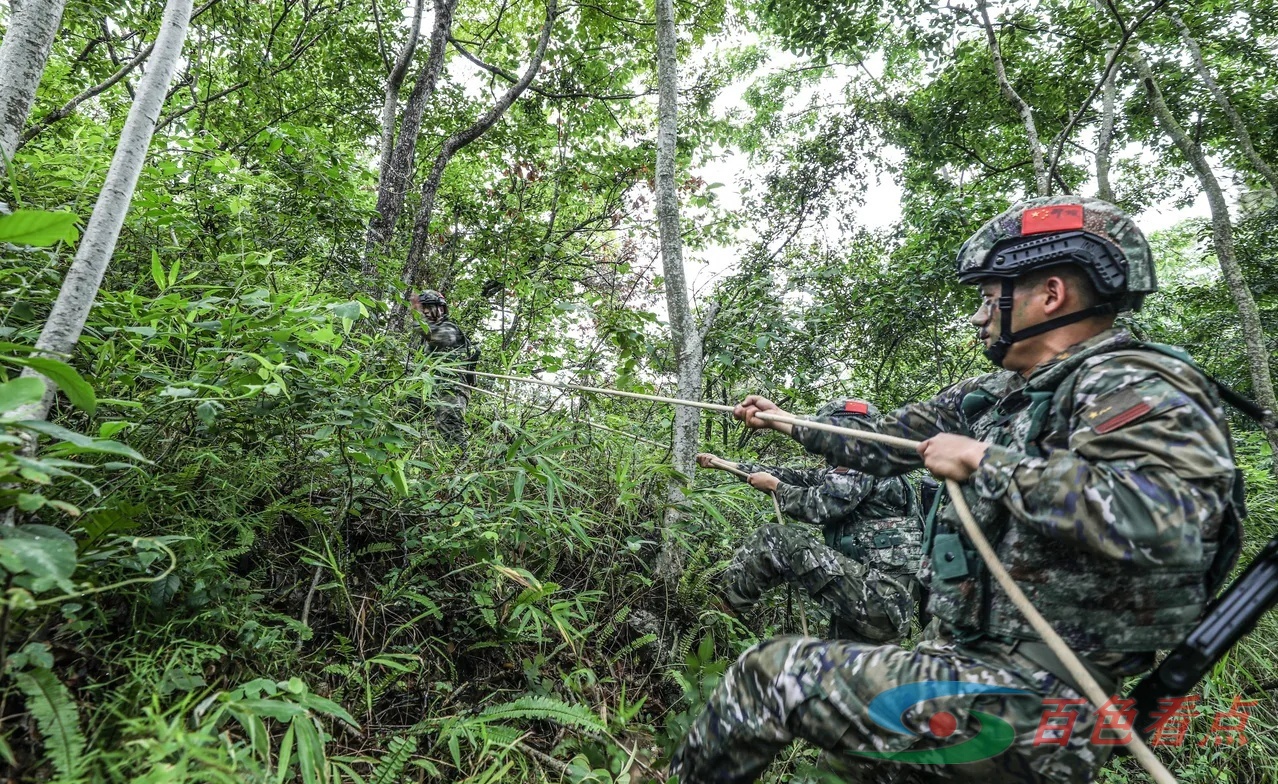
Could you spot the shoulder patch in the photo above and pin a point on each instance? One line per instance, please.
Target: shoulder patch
(1125, 406)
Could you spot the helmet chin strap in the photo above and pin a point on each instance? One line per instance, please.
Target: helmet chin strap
(997, 353)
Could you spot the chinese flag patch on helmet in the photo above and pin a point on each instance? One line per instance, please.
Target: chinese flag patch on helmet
(856, 407)
(1053, 217)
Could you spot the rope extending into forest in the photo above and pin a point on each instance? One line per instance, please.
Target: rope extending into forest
(1090, 687)
(582, 420)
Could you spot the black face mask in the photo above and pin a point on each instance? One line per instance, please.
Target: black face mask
(997, 353)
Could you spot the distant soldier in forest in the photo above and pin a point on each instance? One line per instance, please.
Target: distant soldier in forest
(1101, 470)
(866, 522)
(442, 336)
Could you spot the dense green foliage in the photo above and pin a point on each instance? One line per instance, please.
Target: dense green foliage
(243, 554)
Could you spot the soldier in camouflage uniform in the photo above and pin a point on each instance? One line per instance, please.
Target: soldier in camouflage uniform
(1100, 469)
(442, 336)
(865, 521)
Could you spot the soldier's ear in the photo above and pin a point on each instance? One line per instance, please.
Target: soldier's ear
(1054, 291)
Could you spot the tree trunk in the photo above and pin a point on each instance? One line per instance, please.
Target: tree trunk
(397, 172)
(80, 287)
(1222, 100)
(1223, 239)
(1105, 139)
(1042, 183)
(393, 82)
(418, 251)
(683, 330)
(26, 47)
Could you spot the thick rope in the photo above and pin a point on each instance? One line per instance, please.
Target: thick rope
(1091, 688)
(582, 420)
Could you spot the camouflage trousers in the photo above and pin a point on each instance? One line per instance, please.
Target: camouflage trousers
(864, 604)
(449, 407)
(942, 712)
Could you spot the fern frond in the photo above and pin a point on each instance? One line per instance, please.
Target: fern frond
(392, 765)
(634, 646)
(55, 713)
(544, 709)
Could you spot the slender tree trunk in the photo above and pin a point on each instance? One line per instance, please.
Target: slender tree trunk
(397, 172)
(1222, 100)
(1042, 183)
(1223, 239)
(1105, 139)
(418, 251)
(26, 47)
(683, 330)
(80, 287)
(390, 103)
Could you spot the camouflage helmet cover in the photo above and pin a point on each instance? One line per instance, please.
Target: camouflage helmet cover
(1049, 220)
(431, 297)
(847, 407)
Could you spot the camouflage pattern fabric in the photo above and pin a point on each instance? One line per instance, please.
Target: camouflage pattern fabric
(448, 401)
(864, 603)
(449, 406)
(821, 691)
(864, 519)
(445, 336)
(871, 519)
(1107, 520)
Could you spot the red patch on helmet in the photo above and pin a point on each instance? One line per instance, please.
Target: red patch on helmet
(856, 407)
(1054, 217)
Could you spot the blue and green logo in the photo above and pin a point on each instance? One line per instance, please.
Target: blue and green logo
(888, 709)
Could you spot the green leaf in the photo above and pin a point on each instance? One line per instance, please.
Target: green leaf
(38, 228)
(310, 751)
(20, 392)
(44, 552)
(72, 384)
(272, 709)
(157, 270)
(55, 714)
(82, 442)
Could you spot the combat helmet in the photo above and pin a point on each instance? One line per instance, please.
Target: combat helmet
(1090, 234)
(431, 297)
(848, 407)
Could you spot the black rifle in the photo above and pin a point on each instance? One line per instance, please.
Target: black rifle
(1233, 615)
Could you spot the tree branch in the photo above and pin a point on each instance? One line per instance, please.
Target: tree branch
(70, 106)
(1041, 177)
(1058, 143)
(546, 93)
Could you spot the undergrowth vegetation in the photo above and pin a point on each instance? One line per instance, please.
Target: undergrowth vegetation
(241, 552)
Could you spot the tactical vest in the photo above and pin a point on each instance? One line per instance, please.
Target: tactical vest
(891, 544)
(1095, 603)
(466, 350)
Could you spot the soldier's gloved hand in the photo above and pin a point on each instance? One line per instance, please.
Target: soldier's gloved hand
(951, 456)
(764, 482)
(754, 404)
(706, 459)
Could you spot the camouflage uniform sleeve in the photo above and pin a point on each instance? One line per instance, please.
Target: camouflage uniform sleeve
(1146, 476)
(800, 477)
(445, 336)
(917, 421)
(834, 500)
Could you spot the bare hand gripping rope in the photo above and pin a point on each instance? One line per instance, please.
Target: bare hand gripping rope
(1076, 668)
